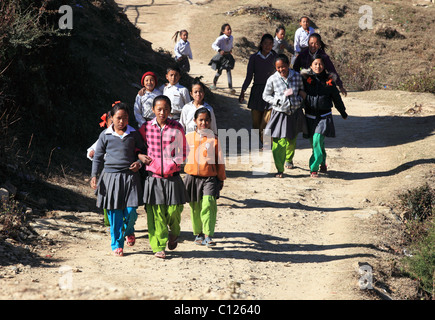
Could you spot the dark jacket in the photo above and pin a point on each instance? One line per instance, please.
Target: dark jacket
(322, 93)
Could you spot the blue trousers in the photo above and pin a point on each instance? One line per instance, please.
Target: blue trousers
(121, 225)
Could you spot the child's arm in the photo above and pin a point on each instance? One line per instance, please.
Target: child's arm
(138, 111)
(338, 102)
(97, 161)
(91, 150)
(297, 41)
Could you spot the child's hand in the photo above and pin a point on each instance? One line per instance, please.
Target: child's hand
(142, 92)
(91, 154)
(144, 158)
(93, 183)
(241, 97)
(135, 166)
(220, 184)
(288, 92)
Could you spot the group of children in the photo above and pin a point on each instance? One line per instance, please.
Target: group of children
(178, 128)
(142, 166)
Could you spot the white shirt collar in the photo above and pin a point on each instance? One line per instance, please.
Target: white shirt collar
(264, 57)
(110, 130)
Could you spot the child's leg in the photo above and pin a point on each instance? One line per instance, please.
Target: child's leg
(279, 147)
(195, 217)
(106, 218)
(216, 77)
(130, 217)
(174, 218)
(157, 227)
(290, 150)
(318, 145)
(208, 214)
(230, 79)
(116, 225)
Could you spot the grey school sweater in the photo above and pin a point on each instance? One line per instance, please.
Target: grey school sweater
(120, 153)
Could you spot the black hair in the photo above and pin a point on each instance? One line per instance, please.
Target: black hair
(173, 68)
(223, 28)
(323, 46)
(201, 110)
(197, 80)
(280, 27)
(264, 37)
(283, 58)
(175, 36)
(317, 56)
(118, 106)
(303, 17)
(162, 98)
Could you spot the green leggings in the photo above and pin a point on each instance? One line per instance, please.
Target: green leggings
(318, 156)
(283, 150)
(159, 217)
(203, 215)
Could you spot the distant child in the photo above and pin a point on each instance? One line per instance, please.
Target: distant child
(317, 46)
(260, 67)
(322, 94)
(223, 60)
(178, 94)
(205, 175)
(164, 191)
(280, 43)
(182, 50)
(187, 114)
(107, 121)
(302, 34)
(284, 91)
(119, 189)
(143, 105)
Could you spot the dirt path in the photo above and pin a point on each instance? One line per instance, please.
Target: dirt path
(293, 238)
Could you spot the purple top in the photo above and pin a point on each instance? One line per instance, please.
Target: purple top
(259, 68)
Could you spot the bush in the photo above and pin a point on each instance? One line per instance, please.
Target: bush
(417, 202)
(419, 83)
(421, 265)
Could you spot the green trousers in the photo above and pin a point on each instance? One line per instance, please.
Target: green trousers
(159, 218)
(283, 150)
(318, 156)
(203, 215)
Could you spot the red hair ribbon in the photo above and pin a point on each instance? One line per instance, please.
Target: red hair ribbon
(104, 122)
(309, 80)
(115, 103)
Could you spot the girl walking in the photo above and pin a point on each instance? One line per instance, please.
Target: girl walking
(223, 60)
(164, 193)
(119, 189)
(284, 91)
(182, 50)
(187, 113)
(205, 173)
(260, 67)
(322, 94)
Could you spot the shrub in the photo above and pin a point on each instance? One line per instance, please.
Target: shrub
(421, 264)
(419, 83)
(417, 202)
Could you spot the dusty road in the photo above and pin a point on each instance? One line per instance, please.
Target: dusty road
(290, 238)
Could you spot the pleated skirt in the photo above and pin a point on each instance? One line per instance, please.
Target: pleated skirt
(119, 190)
(282, 125)
(256, 101)
(322, 125)
(168, 191)
(222, 62)
(197, 187)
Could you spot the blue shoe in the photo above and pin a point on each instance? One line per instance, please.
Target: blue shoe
(209, 242)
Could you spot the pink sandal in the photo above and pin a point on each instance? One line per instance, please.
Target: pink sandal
(131, 240)
(118, 252)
